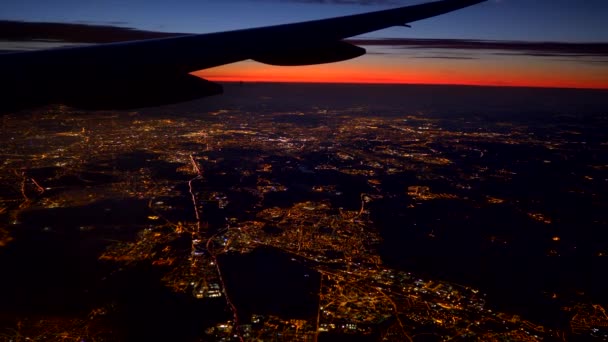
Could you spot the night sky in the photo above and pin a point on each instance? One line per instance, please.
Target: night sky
(468, 56)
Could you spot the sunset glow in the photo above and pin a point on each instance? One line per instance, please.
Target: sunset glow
(519, 71)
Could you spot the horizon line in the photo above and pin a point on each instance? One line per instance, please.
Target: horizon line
(231, 80)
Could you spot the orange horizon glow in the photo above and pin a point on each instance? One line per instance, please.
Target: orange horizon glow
(504, 73)
(538, 84)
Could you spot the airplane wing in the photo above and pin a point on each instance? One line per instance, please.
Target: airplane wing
(156, 71)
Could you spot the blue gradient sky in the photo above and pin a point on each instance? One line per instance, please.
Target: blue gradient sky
(536, 20)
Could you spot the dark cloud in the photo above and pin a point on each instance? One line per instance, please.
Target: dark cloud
(534, 49)
(598, 62)
(73, 33)
(106, 23)
(445, 57)
(377, 53)
(36, 35)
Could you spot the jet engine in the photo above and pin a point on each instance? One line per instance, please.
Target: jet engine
(310, 55)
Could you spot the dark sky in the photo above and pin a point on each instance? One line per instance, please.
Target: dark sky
(555, 20)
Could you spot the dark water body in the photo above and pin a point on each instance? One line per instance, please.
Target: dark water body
(522, 286)
(52, 264)
(268, 282)
(147, 310)
(518, 276)
(58, 276)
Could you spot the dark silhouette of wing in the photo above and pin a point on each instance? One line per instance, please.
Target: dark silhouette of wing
(156, 71)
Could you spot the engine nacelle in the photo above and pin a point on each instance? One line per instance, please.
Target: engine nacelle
(310, 55)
